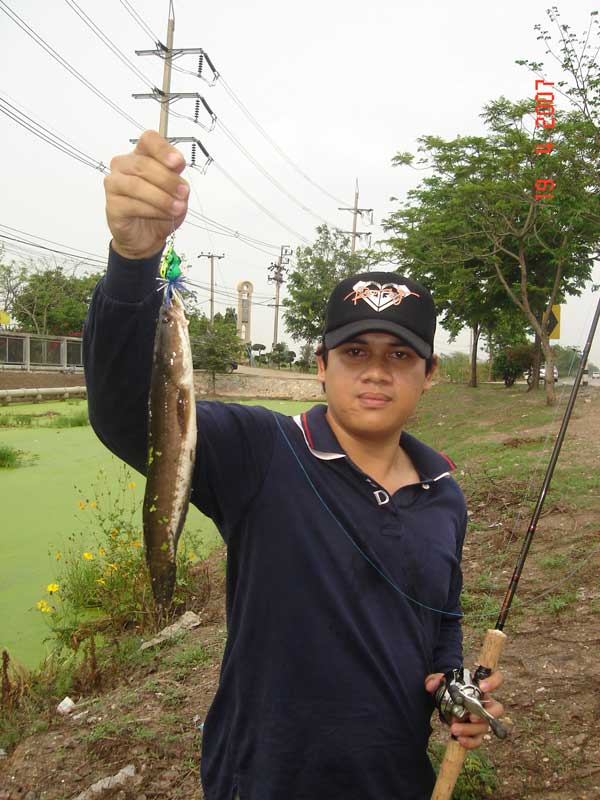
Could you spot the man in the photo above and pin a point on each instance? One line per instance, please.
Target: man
(344, 533)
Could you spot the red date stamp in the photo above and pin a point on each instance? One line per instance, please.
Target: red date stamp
(544, 118)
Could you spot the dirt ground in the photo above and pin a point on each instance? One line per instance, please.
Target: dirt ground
(552, 682)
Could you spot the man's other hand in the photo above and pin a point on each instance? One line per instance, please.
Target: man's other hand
(146, 198)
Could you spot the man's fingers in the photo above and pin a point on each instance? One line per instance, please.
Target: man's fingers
(133, 188)
(151, 171)
(126, 208)
(152, 144)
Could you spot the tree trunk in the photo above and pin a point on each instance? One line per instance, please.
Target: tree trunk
(549, 356)
(476, 331)
(535, 369)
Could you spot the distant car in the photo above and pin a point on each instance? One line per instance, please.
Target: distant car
(543, 374)
(595, 374)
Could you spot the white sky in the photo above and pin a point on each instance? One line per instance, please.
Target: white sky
(340, 86)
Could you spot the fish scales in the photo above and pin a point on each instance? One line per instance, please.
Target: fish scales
(171, 447)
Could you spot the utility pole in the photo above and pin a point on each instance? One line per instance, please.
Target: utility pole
(212, 257)
(355, 212)
(165, 96)
(277, 270)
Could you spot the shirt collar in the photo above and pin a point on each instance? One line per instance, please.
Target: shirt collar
(320, 440)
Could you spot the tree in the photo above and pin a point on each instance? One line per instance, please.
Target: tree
(484, 207)
(578, 59)
(258, 348)
(46, 300)
(215, 345)
(319, 267)
(279, 354)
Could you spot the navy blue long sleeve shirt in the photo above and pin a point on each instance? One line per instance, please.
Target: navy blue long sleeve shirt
(340, 597)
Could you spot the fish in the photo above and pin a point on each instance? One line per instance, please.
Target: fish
(172, 435)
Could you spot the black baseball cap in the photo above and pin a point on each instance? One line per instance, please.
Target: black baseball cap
(381, 301)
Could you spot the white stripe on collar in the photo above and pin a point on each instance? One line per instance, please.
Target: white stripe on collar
(317, 453)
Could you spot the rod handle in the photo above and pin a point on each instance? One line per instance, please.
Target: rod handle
(455, 754)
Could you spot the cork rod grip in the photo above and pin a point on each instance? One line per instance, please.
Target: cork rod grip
(454, 756)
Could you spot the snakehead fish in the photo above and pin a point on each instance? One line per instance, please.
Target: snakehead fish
(171, 443)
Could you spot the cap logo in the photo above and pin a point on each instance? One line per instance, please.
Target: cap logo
(379, 296)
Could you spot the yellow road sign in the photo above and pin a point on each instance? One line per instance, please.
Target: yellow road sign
(554, 323)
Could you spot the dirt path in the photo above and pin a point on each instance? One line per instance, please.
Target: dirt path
(551, 692)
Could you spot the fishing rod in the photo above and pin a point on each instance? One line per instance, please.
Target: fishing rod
(460, 695)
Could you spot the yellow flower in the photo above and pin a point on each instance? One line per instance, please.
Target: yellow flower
(101, 580)
(131, 484)
(192, 556)
(101, 551)
(58, 556)
(136, 543)
(93, 504)
(43, 606)
(51, 588)
(113, 566)
(88, 556)
(115, 530)
(82, 505)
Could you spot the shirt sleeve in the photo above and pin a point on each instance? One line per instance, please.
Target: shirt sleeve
(448, 653)
(235, 442)
(233, 455)
(118, 342)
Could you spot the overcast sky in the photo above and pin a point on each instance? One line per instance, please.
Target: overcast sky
(339, 86)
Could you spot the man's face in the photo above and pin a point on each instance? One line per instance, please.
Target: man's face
(373, 383)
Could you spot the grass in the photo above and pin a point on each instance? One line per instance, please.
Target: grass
(9, 457)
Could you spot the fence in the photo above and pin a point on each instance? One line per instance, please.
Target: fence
(29, 351)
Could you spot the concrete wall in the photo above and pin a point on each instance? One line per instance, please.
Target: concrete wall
(240, 385)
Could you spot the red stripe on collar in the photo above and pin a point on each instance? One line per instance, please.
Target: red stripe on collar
(449, 460)
(306, 431)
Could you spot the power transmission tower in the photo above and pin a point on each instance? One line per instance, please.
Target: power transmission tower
(277, 269)
(355, 212)
(165, 96)
(212, 257)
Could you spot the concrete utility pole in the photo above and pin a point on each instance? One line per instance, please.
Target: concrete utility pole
(277, 271)
(355, 212)
(165, 96)
(212, 257)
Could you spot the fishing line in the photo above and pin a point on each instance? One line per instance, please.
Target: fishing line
(392, 583)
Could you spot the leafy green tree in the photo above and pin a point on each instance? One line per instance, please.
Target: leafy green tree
(511, 362)
(279, 354)
(258, 348)
(482, 208)
(215, 345)
(318, 268)
(46, 300)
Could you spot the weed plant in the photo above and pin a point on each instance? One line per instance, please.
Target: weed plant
(477, 779)
(9, 457)
(105, 588)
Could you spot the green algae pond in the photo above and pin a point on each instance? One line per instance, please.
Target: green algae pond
(46, 499)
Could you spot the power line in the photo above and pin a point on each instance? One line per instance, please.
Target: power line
(97, 31)
(27, 122)
(139, 21)
(71, 249)
(274, 144)
(257, 203)
(14, 17)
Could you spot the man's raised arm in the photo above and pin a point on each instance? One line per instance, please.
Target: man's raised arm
(146, 199)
